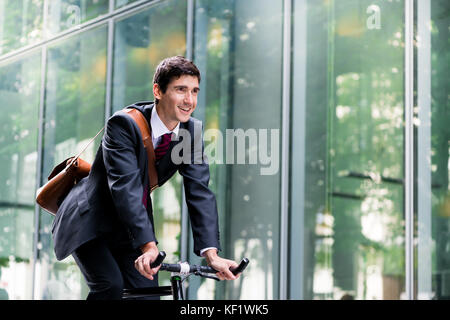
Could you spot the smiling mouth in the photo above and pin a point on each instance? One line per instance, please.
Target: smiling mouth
(184, 109)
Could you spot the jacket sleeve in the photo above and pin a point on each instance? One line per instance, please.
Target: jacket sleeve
(120, 145)
(200, 200)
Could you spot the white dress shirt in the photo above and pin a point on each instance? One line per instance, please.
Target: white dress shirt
(159, 128)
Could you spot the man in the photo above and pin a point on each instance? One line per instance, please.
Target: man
(106, 221)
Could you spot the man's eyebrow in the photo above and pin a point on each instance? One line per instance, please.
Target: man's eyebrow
(183, 86)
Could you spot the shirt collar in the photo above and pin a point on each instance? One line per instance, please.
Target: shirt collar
(158, 127)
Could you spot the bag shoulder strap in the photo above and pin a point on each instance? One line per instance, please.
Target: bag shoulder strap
(74, 159)
(142, 123)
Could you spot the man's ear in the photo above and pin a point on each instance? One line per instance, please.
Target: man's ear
(157, 91)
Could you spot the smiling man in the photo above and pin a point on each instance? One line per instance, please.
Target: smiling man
(106, 221)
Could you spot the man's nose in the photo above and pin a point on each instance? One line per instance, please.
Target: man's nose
(188, 98)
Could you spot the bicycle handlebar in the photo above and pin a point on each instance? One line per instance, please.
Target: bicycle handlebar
(193, 268)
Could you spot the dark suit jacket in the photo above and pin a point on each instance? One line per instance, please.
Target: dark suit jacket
(109, 200)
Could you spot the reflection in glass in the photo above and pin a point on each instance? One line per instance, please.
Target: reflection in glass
(166, 202)
(347, 159)
(65, 14)
(141, 42)
(238, 50)
(20, 23)
(19, 98)
(74, 113)
(121, 3)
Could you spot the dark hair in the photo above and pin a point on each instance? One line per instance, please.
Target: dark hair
(173, 67)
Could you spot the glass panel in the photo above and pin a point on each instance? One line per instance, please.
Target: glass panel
(347, 219)
(238, 50)
(65, 14)
(141, 42)
(433, 147)
(121, 3)
(74, 113)
(20, 23)
(166, 202)
(19, 98)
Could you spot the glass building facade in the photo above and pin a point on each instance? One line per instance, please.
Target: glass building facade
(342, 188)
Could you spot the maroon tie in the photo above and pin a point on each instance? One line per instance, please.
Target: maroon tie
(162, 148)
(160, 151)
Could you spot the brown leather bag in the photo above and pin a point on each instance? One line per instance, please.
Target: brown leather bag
(66, 174)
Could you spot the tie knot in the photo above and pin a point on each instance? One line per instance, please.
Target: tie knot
(161, 150)
(166, 137)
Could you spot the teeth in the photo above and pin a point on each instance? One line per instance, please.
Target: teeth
(185, 109)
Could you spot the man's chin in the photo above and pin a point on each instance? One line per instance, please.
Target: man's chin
(182, 119)
(185, 119)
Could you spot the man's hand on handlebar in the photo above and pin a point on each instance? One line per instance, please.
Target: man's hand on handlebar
(221, 265)
(142, 264)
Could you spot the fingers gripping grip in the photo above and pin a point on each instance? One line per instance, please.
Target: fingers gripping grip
(241, 266)
(159, 259)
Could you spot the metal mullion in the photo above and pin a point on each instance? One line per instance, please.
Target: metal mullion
(190, 30)
(409, 149)
(111, 6)
(285, 132)
(424, 170)
(109, 70)
(184, 240)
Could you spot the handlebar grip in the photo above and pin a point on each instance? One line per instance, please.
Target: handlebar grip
(159, 259)
(241, 266)
(206, 269)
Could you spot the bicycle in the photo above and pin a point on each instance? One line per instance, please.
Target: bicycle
(178, 270)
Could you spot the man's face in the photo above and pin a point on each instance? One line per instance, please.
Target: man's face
(179, 100)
